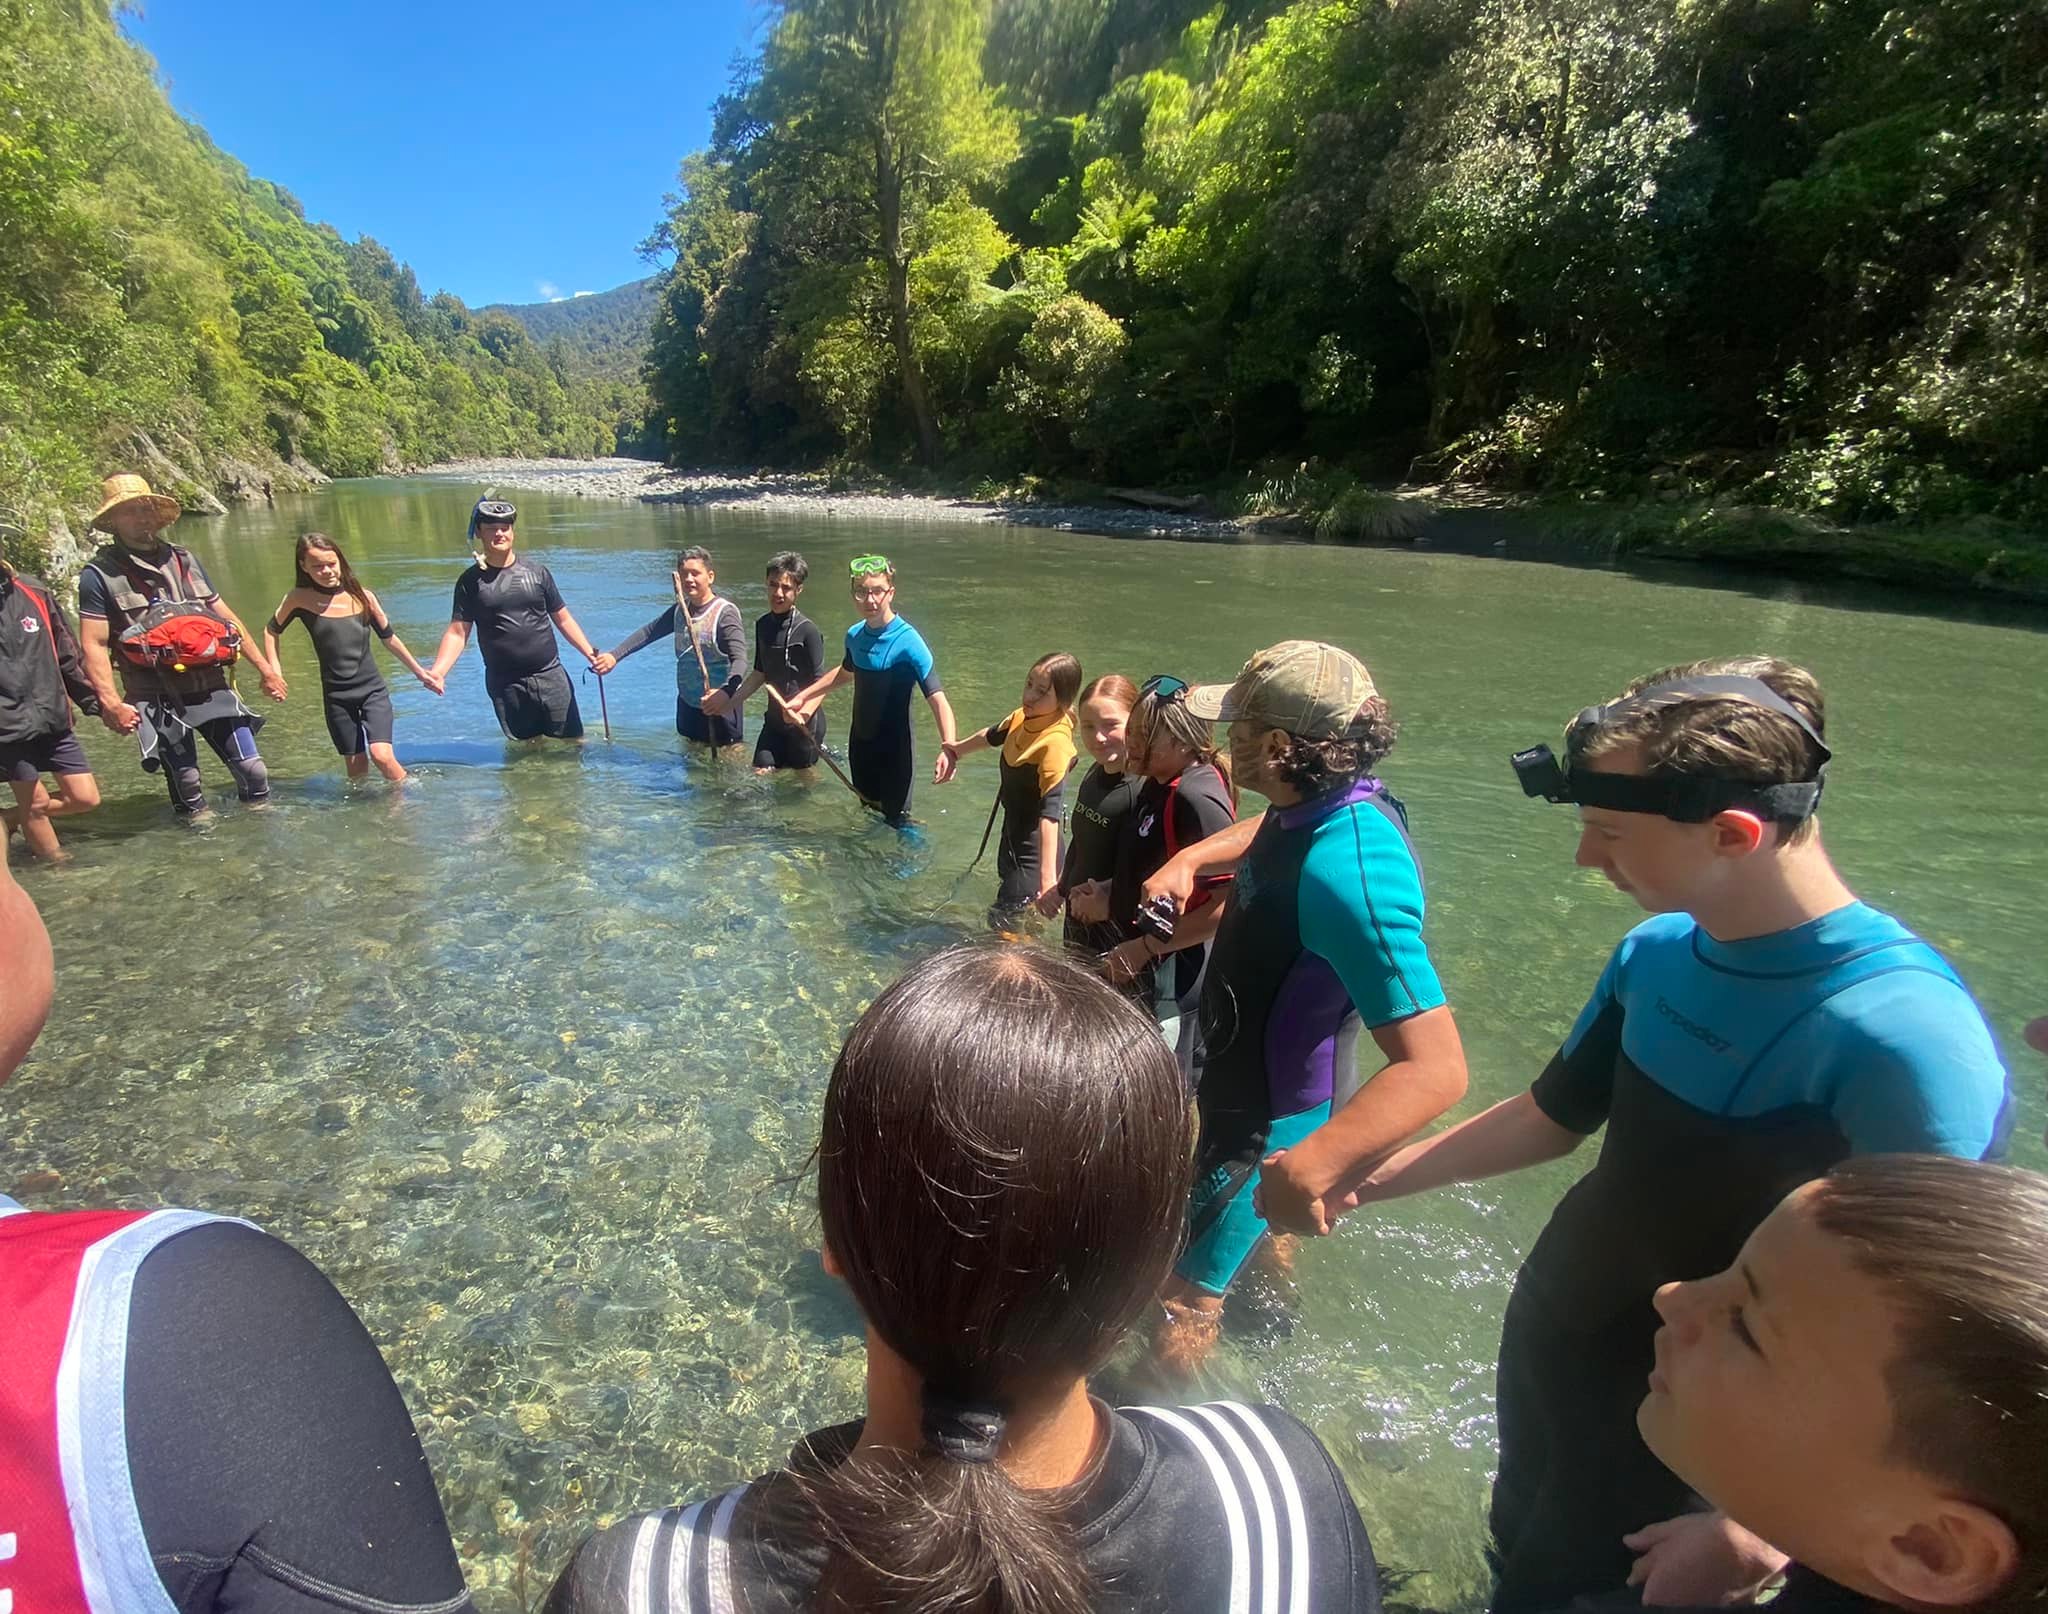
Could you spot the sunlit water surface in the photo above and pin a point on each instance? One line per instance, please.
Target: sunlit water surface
(528, 1056)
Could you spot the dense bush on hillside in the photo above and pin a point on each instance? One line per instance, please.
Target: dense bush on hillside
(1752, 247)
(163, 310)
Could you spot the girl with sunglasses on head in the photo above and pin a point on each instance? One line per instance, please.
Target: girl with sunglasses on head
(1037, 746)
(1187, 796)
(340, 615)
(1002, 1177)
(886, 659)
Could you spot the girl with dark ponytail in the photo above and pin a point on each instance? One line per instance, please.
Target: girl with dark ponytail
(1002, 1179)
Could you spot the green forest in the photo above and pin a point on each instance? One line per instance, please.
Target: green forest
(161, 310)
(1785, 252)
(600, 333)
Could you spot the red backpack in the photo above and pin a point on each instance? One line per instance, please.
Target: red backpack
(180, 635)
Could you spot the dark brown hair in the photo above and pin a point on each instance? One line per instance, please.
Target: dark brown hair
(1003, 1176)
(695, 552)
(320, 540)
(1724, 736)
(1313, 767)
(1959, 1245)
(1062, 676)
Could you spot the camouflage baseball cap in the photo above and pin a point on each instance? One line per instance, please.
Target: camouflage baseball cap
(1309, 689)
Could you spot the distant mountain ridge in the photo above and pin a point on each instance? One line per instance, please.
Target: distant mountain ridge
(604, 334)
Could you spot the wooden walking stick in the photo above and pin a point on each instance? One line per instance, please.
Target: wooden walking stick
(775, 695)
(690, 627)
(604, 709)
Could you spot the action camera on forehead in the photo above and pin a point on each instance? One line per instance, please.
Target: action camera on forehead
(1687, 798)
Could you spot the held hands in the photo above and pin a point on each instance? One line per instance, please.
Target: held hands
(1128, 960)
(1049, 903)
(1293, 1193)
(433, 680)
(121, 717)
(717, 703)
(1701, 1560)
(947, 764)
(274, 686)
(1088, 902)
(603, 662)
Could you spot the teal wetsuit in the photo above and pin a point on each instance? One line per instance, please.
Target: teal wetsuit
(1323, 938)
(886, 668)
(1726, 1073)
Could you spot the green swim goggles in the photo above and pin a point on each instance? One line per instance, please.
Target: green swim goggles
(1163, 687)
(869, 565)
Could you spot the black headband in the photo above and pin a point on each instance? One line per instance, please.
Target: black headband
(1687, 798)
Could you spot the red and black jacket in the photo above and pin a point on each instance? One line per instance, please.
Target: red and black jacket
(41, 671)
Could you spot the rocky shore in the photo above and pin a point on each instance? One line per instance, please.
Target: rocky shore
(813, 495)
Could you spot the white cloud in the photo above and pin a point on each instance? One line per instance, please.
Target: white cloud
(549, 290)
(586, 294)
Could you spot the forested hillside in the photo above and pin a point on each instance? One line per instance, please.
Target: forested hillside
(601, 333)
(162, 310)
(1790, 252)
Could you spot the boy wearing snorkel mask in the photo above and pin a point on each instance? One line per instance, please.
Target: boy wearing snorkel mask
(1761, 1027)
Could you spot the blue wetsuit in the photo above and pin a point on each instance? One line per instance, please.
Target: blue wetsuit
(1323, 938)
(886, 668)
(1726, 1073)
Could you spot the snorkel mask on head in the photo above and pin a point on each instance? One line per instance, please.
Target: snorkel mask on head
(870, 566)
(491, 510)
(1685, 798)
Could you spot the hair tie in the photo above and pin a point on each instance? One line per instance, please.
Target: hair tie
(962, 1431)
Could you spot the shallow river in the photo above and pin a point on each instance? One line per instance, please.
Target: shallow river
(528, 1056)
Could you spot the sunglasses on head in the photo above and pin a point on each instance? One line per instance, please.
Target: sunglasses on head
(1163, 687)
(868, 565)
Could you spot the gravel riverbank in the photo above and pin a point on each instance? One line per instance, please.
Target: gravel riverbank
(811, 495)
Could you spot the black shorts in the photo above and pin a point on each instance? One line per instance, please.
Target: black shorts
(26, 761)
(783, 745)
(694, 723)
(357, 722)
(541, 704)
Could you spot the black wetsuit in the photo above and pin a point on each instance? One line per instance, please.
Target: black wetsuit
(1166, 818)
(512, 608)
(357, 699)
(789, 654)
(1101, 806)
(1191, 1508)
(887, 667)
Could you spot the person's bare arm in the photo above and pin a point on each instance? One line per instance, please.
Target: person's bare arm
(801, 705)
(453, 643)
(1424, 1075)
(1048, 857)
(1220, 853)
(266, 669)
(1512, 1134)
(93, 639)
(569, 630)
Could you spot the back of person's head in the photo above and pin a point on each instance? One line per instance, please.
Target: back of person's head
(26, 977)
(1722, 736)
(1062, 675)
(789, 563)
(1002, 1177)
(1867, 1386)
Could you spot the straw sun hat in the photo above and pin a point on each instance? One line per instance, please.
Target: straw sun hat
(125, 490)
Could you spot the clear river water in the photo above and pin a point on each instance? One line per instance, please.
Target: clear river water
(528, 1054)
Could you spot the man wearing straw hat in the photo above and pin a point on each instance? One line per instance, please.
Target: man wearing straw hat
(168, 700)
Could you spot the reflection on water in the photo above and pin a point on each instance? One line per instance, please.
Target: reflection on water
(528, 1054)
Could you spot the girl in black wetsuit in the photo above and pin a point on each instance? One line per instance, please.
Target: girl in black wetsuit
(1106, 798)
(340, 614)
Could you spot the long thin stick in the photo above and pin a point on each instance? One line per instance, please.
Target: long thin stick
(604, 709)
(775, 695)
(690, 627)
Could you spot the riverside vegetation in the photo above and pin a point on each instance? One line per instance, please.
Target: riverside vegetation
(162, 309)
(1757, 278)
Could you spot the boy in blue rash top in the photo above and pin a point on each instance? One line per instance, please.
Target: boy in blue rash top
(1320, 938)
(887, 659)
(1762, 1027)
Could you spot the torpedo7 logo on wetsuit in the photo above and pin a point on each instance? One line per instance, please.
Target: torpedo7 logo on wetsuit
(1692, 1028)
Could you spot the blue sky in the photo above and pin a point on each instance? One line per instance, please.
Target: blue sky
(509, 152)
